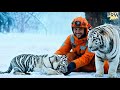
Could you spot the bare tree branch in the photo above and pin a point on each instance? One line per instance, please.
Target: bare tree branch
(39, 22)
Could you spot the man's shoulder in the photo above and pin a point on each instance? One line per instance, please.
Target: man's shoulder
(69, 36)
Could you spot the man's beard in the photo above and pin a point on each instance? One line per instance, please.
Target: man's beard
(80, 36)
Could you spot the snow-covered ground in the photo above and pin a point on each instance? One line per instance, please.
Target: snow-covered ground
(13, 44)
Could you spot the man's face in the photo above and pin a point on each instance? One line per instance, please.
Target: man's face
(78, 32)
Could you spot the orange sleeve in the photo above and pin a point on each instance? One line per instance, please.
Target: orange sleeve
(84, 59)
(65, 48)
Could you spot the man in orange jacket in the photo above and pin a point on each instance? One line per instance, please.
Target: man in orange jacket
(76, 50)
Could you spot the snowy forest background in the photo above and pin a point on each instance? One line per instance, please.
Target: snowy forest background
(37, 22)
(46, 22)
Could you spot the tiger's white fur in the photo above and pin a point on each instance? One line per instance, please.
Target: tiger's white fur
(50, 65)
(104, 41)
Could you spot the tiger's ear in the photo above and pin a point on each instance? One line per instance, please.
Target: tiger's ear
(53, 58)
(57, 58)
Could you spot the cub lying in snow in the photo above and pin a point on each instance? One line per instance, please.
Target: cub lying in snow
(25, 63)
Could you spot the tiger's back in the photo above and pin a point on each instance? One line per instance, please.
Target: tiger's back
(24, 63)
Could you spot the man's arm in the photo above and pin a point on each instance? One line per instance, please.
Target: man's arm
(65, 48)
(84, 59)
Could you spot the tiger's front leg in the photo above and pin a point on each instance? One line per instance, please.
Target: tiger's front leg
(18, 73)
(50, 71)
(113, 65)
(99, 67)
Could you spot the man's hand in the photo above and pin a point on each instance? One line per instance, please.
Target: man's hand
(70, 68)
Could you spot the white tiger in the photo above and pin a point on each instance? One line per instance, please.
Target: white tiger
(25, 63)
(104, 41)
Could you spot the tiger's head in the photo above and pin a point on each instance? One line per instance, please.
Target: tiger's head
(62, 66)
(95, 39)
(56, 62)
(59, 63)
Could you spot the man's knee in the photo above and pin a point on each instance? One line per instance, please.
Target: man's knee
(106, 66)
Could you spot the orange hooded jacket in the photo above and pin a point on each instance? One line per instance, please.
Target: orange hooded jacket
(79, 47)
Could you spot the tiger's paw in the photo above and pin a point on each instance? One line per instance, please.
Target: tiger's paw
(111, 75)
(50, 71)
(19, 73)
(100, 74)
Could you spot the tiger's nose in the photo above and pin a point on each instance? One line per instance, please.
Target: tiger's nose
(90, 47)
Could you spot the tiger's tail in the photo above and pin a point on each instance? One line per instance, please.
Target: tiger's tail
(8, 71)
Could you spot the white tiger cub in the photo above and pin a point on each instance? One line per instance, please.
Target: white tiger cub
(50, 65)
(104, 41)
(55, 65)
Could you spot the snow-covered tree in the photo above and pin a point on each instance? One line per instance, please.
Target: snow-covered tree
(6, 21)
